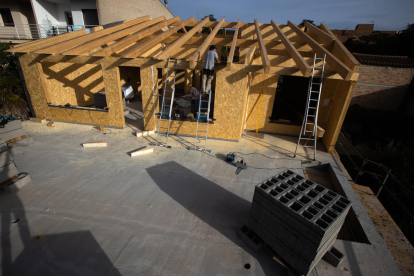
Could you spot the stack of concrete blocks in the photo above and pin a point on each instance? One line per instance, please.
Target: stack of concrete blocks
(297, 218)
(10, 178)
(11, 130)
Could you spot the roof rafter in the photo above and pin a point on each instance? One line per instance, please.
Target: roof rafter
(263, 52)
(137, 51)
(233, 46)
(182, 40)
(117, 46)
(202, 49)
(341, 52)
(326, 37)
(335, 63)
(296, 56)
(110, 33)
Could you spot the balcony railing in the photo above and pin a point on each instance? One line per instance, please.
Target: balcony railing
(37, 31)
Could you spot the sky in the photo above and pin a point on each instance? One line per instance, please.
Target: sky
(387, 15)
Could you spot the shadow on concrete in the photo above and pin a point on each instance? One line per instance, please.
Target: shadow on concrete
(71, 253)
(213, 204)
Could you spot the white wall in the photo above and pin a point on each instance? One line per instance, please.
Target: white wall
(77, 7)
(54, 13)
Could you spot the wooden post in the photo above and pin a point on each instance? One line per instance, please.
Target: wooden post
(197, 79)
(258, 117)
(188, 80)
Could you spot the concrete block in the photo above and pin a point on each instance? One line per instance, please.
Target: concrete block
(5, 158)
(97, 144)
(8, 172)
(333, 257)
(22, 180)
(141, 151)
(250, 238)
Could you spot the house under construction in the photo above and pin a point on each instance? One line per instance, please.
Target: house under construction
(263, 86)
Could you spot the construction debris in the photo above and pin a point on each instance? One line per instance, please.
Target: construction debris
(96, 144)
(101, 128)
(142, 151)
(51, 123)
(297, 218)
(37, 120)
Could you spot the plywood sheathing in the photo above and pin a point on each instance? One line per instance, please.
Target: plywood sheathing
(228, 107)
(72, 83)
(149, 104)
(37, 87)
(338, 109)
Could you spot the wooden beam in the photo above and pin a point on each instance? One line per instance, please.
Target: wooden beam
(248, 60)
(202, 49)
(335, 63)
(122, 44)
(178, 43)
(326, 37)
(97, 28)
(87, 41)
(184, 29)
(47, 42)
(233, 46)
(263, 52)
(86, 48)
(293, 52)
(137, 51)
(341, 52)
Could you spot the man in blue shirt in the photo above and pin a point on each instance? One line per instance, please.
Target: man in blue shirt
(208, 69)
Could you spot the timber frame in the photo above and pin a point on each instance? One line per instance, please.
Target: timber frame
(268, 50)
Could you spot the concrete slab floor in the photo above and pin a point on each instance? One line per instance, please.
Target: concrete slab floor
(97, 211)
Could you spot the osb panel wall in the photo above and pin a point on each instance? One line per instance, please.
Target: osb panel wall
(72, 83)
(35, 80)
(338, 109)
(149, 104)
(229, 100)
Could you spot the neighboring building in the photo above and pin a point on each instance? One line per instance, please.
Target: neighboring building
(34, 19)
(383, 81)
(360, 30)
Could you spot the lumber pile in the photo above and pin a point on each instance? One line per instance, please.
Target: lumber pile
(97, 144)
(144, 133)
(297, 218)
(141, 151)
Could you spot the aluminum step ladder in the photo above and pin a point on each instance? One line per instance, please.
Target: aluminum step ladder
(312, 107)
(166, 109)
(201, 121)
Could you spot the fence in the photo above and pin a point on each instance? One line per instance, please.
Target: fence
(37, 31)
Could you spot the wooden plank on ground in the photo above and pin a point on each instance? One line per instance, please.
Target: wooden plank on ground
(46, 42)
(179, 42)
(126, 41)
(263, 51)
(144, 133)
(326, 37)
(296, 56)
(335, 63)
(341, 52)
(15, 139)
(109, 34)
(202, 49)
(141, 49)
(233, 46)
(37, 120)
(97, 144)
(141, 151)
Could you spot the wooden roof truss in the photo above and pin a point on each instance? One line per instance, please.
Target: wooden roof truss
(159, 39)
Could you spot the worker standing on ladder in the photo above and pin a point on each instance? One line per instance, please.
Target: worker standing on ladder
(208, 69)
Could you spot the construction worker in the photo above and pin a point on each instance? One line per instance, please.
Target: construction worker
(208, 69)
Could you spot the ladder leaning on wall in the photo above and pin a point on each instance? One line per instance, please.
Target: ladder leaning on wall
(202, 120)
(312, 107)
(166, 109)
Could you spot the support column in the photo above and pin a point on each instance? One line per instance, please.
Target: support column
(188, 81)
(149, 103)
(197, 79)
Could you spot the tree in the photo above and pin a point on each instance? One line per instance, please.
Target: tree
(12, 102)
(211, 16)
(307, 20)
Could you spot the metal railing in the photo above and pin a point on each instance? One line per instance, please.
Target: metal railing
(37, 31)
